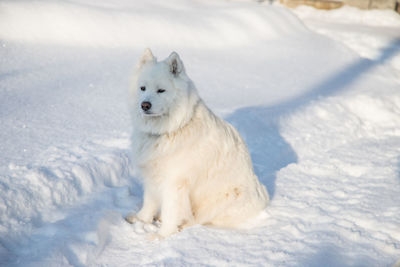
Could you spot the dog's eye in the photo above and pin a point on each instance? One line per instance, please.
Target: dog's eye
(160, 91)
(143, 88)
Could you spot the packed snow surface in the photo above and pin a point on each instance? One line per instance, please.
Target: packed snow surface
(320, 114)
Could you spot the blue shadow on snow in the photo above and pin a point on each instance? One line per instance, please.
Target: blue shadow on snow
(259, 125)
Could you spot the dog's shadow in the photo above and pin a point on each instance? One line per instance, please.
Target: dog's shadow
(260, 128)
(269, 151)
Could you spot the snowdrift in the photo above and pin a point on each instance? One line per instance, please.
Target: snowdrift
(104, 24)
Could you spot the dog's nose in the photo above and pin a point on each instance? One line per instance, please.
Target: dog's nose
(146, 105)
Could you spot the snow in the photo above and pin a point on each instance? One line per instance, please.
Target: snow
(320, 114)
(365, 32)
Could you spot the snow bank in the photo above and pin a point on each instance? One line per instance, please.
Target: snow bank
(365, 32)
(137, 24)
(352, 15)
(32, 195)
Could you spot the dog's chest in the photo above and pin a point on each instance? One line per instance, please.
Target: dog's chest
(175, 154)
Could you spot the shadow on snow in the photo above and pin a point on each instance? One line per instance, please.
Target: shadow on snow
(259, 125)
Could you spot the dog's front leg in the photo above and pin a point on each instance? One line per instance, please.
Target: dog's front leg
(175, 209)
(151, 205)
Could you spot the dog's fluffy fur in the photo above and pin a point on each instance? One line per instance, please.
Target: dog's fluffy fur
(195, 167)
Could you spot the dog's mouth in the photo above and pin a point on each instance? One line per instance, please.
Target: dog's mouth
(151, 114)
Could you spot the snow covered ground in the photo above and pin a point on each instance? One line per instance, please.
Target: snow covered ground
(320, 113)
(366, 32)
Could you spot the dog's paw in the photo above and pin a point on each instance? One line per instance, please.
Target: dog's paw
(131, 218)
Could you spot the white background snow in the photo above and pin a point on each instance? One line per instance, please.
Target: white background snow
(315, 94)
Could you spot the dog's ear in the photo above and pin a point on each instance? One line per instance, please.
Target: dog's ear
(175, 64)
(146, 58)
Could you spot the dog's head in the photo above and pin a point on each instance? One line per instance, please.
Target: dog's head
(163, 95)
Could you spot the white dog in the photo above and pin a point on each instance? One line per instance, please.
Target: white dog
(195, 167)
